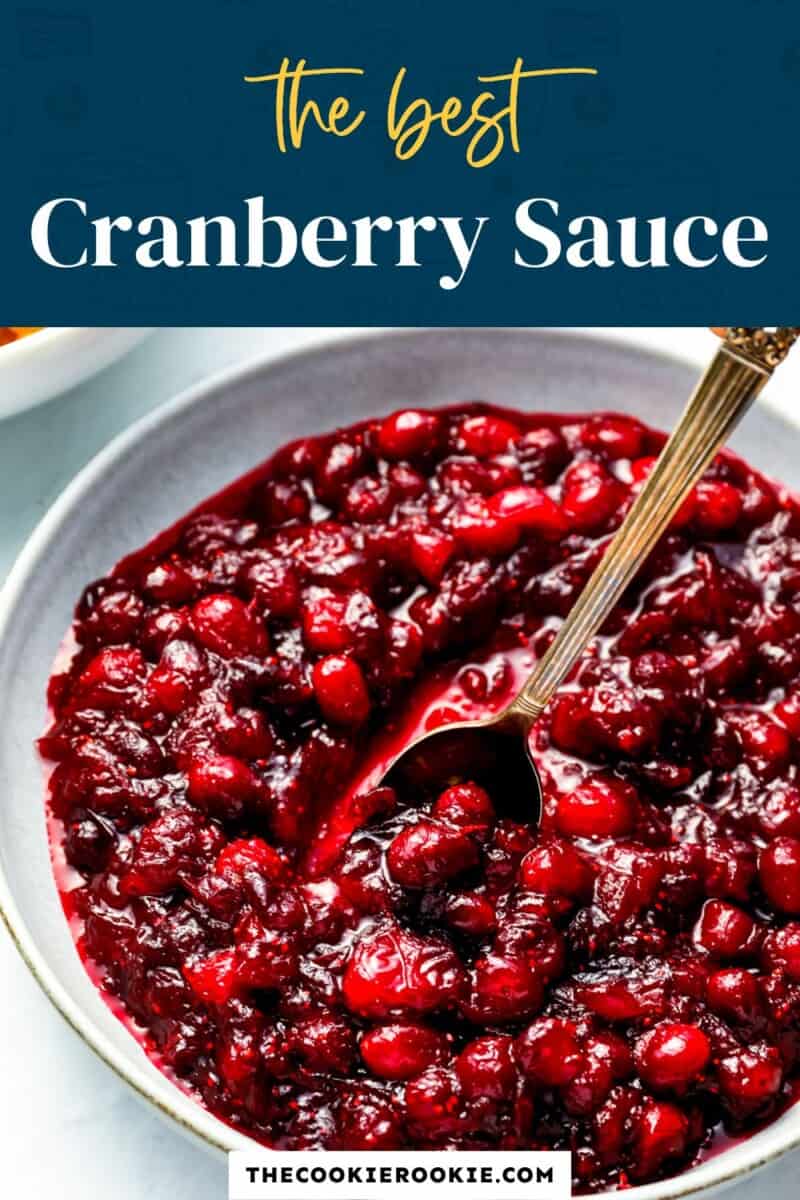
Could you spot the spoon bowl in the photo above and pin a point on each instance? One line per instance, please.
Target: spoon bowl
(494, 753)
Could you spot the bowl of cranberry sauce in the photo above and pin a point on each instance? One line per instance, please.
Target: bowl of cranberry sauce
(327, 964)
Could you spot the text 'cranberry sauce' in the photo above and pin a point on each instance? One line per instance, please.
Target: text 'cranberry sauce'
(327, 964)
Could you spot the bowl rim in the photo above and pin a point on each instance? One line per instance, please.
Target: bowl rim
(55, 359)
(49, 338)
(182, 1110)
(45, 335)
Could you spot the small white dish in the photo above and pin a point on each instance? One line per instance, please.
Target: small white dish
(192, 447)
(46, 363)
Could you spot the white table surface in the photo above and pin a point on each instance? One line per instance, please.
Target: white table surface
(68, 1127)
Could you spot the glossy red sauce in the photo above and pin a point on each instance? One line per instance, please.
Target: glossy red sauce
(327, 964)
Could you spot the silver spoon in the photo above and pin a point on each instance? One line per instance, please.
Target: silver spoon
(498, 746)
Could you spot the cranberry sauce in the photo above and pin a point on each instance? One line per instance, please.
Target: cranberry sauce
(325, 963)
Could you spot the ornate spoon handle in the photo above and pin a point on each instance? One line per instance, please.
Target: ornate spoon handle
(733, 379)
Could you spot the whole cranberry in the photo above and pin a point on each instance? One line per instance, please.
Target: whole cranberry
(660, 1133)
(486, 682)
(341, 690)
(779, 872)
(226, 626)
(337, 469)
(409, 434)
(327, 910)
(555, 868)
(487, 434)
(504, 987)
(750, 1078)
(681, 885)
(766, 744)
(591, 496)
(589, 1089)
(672, 1056)
(246, 733)
(549, 1052)
(363, 879)
(724, 930)
(324, 628)
(525, 931)
(466, 805)
(470, 913)
(462, 477)
(221, 785)
(403, 1050)
(503, 472)
(734, 994)
(480, 529)
(429, 853)
(599, 807)
(486, 1068)
(170, 582)
(178, 678)
(542, 454)
(614, 437)
(718, 506)
(655, 669)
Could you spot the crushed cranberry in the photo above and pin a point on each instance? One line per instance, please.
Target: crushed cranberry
(329, 964)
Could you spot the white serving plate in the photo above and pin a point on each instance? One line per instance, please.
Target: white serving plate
(190, 448)
(45, 364)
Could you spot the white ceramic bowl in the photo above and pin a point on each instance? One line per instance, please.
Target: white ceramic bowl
(44, 364)
(187, 450)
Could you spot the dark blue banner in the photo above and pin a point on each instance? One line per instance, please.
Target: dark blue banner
(515, 163)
